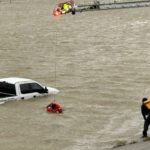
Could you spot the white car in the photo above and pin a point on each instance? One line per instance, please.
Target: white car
(15, 88)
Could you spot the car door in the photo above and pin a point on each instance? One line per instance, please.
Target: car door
(30, 90)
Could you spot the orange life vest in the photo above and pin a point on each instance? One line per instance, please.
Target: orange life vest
(147, 104)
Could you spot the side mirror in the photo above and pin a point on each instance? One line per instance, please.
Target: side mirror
(46, 90)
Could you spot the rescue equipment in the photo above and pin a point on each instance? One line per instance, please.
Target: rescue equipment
(64, 8)
(54, 108)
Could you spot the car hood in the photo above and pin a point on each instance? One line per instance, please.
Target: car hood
(52, 90)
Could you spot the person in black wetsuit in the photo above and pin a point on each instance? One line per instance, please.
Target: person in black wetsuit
(145, 110)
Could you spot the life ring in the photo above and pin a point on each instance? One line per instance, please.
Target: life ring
(54, 108)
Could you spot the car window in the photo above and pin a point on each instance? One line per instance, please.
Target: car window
(31, 88)
(36, 87)
(25, 88)
(7, 89)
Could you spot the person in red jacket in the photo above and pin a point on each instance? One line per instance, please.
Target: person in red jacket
(54, 108)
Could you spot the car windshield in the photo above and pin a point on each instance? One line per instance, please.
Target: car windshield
(7, 89)
(31, 88)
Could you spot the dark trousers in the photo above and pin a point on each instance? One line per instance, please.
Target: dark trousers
(146, 125)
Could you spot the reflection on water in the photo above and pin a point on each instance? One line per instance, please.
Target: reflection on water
(98, 60)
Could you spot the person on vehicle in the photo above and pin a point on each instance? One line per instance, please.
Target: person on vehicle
(145, 110)
(54, 108)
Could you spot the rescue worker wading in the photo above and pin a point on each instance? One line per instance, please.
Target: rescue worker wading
(145, 110)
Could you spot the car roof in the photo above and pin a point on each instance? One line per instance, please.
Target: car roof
(14, 80)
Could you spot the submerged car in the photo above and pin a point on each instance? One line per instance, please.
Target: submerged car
(15, 88)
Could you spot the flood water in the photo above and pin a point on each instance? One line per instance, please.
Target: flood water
(98, 60)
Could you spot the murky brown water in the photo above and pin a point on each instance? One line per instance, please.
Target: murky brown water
(102, 61)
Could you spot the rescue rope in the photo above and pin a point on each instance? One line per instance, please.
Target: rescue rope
(55, 69)
(55, 64)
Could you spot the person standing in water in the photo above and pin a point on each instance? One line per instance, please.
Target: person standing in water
(145, 110)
